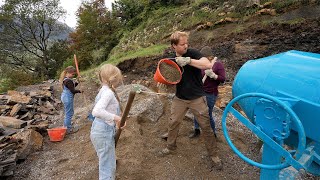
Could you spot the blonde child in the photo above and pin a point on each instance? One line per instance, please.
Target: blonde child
(107, 118)
(67, 96)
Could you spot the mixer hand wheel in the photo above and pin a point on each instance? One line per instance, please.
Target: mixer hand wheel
(265, 138)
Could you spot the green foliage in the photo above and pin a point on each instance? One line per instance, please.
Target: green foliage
(161, 23)
(58, 53)
(208, 3)
(97, 31)
(67, 62)
(133, 13)
(14, 78)
(242, 9)
(165, 3)
(128, 12)
(98, 55)
(278, 5)
(5, 85)
(296, 21)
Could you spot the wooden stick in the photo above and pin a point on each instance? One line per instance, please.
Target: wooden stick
(150, 92)
(78, 76)
(124, 115)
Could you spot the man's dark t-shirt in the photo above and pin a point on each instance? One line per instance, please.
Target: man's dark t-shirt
(190, 86)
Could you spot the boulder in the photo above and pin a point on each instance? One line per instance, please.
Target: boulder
(32, 141)
(147, 105)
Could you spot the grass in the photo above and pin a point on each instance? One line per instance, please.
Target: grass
(278, 5)
(142, 52)
(239, 29)
(269, 22)
(296, 21)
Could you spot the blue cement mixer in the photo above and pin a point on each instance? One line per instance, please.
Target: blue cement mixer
(280, 96)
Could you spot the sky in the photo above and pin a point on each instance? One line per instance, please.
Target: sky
(71, 7)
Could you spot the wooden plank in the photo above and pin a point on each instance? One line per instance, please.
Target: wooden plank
(12, 122)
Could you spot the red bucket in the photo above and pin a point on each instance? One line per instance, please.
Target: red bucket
(57, 134)
(158, 76)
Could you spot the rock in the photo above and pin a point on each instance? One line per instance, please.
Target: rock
(226, 20)
(1, 130)
(32, 141)
(222, 14)
(266, 5)
(207, 25)
(12, 122)
(41, 93)
(15, 109)
(253, 3)
(17, 97)
(271, 12)
(225, 95)
(146, 106)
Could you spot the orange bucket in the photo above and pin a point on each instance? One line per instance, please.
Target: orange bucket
(57, 134)
(158, 76)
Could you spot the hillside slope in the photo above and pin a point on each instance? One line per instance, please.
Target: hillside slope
(208, 21)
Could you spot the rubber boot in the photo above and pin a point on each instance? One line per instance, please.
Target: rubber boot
(195, 134)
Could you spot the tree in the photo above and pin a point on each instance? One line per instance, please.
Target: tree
(26, 28)
(95, 35)
(128, 11)
(58, 53)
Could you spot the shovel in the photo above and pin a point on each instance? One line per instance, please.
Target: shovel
(124, 115)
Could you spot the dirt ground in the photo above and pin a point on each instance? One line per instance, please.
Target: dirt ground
(137, 152)
(139, 144)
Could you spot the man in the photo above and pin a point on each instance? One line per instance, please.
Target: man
(211, 79)
(190, 95)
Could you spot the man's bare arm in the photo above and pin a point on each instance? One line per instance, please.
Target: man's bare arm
(202, 63)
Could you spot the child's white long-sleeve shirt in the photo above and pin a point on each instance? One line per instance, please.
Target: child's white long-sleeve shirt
(107, 105)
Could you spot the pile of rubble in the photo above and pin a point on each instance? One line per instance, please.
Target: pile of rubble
(24, 118)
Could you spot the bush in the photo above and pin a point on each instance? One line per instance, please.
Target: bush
(14, 79)
(5, 85)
